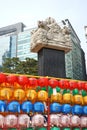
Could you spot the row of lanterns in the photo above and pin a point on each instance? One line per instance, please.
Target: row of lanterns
(38, 120)
(41, 95)
(39, 107)
(42, 103)
(25, 82)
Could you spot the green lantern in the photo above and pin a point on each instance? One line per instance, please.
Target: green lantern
(66, 128)
(84, 93)
(42, 128)
(75, 92)
(55, 128)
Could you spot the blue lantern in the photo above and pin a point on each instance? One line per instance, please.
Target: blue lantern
(66, 108)
(77, 109)
(39, 107)
(27, 106)
(55, 108)
(2, 106)
(85, 110)
(13, 106)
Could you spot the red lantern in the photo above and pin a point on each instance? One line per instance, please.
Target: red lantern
(43, 81)
(81, 85)
(53, 82)
(33, 82)
(72, 85)
(2, 78)
(12, 79)
(85, 86)
(22, 80)
(62, 83)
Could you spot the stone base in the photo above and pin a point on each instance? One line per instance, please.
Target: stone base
(51, 62)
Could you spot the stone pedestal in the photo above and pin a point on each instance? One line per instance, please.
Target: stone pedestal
(51, 62)
(51, 42)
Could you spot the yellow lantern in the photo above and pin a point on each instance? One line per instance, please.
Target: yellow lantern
(42, 95)
(6, 93)
(85, 100)
(78, 99)
(19, 94)
(31, 95)
(56, 98)
(67, 98)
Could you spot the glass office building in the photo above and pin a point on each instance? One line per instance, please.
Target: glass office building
(75, 59)
(23, 46)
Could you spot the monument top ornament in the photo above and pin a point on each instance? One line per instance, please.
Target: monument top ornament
(50, 35)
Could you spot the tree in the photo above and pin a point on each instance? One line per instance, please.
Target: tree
(14, 65)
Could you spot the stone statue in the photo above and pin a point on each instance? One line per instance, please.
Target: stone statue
(49, 34)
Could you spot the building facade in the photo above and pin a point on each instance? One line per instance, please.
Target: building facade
(75, 59)
(15, 42)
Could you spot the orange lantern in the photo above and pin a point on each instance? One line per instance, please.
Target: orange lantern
(31, 95)
(6, 93)
(85, 100)
(19, 94)
(42, 95)
(56, 98)
(67, 98)
(78, 99)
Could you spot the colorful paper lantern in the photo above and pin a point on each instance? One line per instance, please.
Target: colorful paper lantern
(14, 107)
(2, 121)
(65, 121)
(42, 96)
(23, 80)
(43, 81)
(55, 120)
(19, 94)
(53, 82)
(23, 121)
(56, 98)
(39, 107)
(37, 120)
(77, 109)
(75, 121)
(12, 79)
(67, 98)
(27, 106)
(55, 108)
(31, 95)
(33, 83)
(6, 93)
(55, 128)
(2, 78)
(2, 106)
(66, 108)
(83, 121)
(10, 121)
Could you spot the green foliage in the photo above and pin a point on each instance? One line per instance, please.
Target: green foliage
(14, 65)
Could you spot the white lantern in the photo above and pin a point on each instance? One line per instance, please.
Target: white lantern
(75, 121)
(37, 120)
(83, 121)
(1, 121)
(10, 121)
(65, 120)
(23, 120)
(54, 120)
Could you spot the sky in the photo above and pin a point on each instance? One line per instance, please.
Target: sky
(30, 11)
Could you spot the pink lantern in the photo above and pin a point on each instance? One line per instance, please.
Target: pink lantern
(11, 121)
(37, 120)
(65, 120)
(55, 120)
(83, 121)
(23, 120)
(75, 121)
(1, 121)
